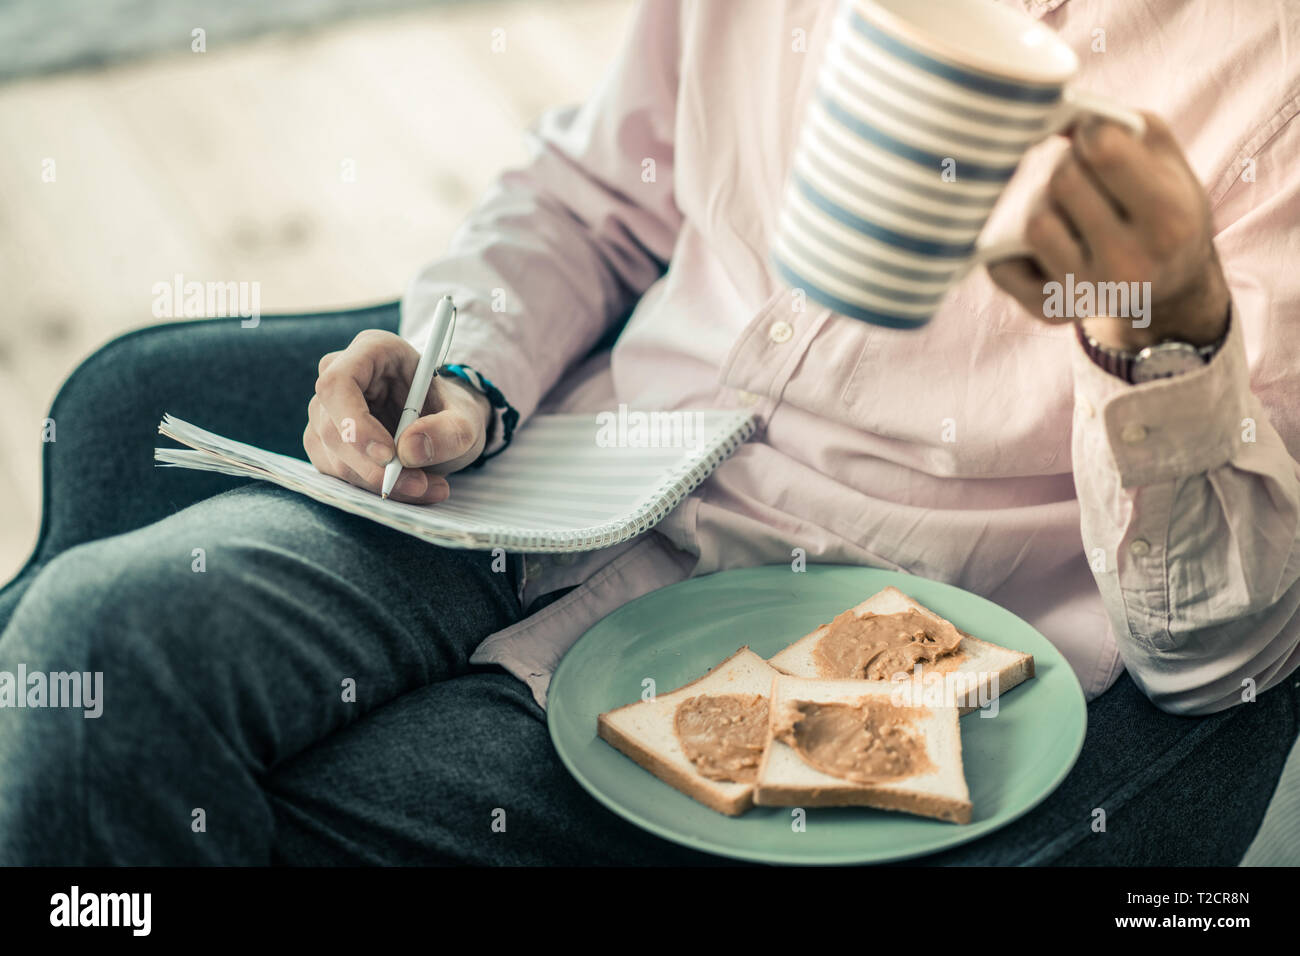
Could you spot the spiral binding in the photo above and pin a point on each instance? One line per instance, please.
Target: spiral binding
(665, 498)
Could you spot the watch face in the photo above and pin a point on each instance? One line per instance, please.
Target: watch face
(1164, 360)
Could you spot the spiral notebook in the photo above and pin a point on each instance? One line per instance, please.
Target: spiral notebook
(566, 483)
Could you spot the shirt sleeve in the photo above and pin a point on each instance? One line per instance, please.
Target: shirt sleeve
(561, 248)
(1189, 493)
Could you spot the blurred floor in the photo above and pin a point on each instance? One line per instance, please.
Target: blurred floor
(232, 165)
(45, 36)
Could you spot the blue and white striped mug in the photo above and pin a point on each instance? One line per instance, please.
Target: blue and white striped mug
(921, 113)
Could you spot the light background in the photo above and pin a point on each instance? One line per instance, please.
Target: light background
(226, 166)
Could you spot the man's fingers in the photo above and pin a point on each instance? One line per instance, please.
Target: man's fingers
(346, 452)
(413, 486)
(315, 450)
(325, 361)
(420, 487)
(1123, 166)
(341, 389)
(1087, 205)
(328, 464)
(1053, 244)
(1023, 281)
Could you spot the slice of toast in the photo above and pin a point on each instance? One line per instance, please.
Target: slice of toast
(978, 660)
(785, 779)
(644, 731)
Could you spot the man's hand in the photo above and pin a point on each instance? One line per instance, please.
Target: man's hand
(359, 396)
(1120, 209)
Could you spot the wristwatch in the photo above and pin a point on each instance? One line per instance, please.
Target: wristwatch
(1163, 360)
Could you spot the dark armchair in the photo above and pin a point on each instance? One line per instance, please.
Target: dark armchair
(249, 383)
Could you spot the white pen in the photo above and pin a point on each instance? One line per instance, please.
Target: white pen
(435, 353)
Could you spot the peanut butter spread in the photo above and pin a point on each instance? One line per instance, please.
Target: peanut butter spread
(878, 646)
(872, 741)
(723, 734)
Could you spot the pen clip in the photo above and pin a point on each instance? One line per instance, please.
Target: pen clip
(446, 341)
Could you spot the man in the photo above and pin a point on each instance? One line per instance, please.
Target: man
(1147, 527)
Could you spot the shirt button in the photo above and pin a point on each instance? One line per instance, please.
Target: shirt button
(1133, 434)
(780, 332)
(747, 398)
(533, 568)
(1139, 547)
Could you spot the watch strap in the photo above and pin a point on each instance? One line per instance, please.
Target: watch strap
(1115, 361)
(1121, 362)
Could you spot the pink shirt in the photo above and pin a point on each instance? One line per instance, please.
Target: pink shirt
(1151, 527)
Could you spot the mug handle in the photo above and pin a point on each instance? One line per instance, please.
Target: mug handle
(1075, 103)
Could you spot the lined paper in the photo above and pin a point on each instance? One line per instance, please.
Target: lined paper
(562, 485)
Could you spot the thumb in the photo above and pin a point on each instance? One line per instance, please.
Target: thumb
(447, 439)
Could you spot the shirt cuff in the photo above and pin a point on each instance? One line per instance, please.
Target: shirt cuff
(1172, 427)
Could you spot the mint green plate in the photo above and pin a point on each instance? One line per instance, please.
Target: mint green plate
(1013, 761)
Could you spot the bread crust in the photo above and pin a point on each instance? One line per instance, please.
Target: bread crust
(690, 782)
(921, 804)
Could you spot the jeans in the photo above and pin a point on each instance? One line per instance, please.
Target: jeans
(286, 683)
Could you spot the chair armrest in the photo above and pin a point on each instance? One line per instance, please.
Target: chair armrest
(252, 384)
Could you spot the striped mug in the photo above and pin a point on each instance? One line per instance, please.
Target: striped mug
(921, 113)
